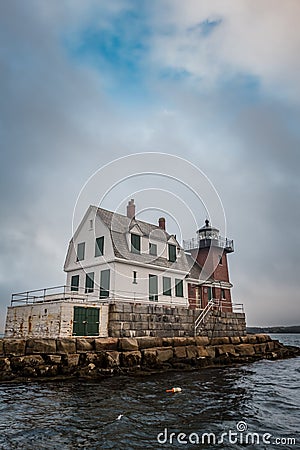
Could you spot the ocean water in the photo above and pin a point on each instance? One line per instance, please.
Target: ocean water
(254, 406)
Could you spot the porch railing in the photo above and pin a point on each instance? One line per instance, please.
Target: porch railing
(82, 294)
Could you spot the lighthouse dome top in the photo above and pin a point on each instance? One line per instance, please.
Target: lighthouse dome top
(208, 232)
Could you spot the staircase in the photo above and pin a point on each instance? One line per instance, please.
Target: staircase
(204, 315)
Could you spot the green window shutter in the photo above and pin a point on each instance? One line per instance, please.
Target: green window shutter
(79, 326)
(104, 283)
(152, 249)
(99, 246)
(172, 252)
(89, 282)
(86, 321)
(92, 321)
(153, 288)
(75, 283)
(80, 251)
(178, 288)
(135, 243)
(167, 286)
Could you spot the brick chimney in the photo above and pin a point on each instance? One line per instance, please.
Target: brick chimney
(131, 209)
(162, 223)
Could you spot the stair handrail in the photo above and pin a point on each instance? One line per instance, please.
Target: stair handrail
(213, 302)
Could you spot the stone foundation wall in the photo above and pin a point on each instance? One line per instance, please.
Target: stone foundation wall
(132, 320)
(93, 358)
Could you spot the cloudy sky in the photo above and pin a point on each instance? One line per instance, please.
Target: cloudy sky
(214, 82)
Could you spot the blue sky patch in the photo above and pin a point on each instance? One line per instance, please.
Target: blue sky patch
(117, 50)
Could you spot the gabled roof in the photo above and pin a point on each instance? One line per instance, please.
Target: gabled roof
(119, 225)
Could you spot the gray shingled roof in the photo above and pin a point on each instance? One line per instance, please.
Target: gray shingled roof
(119, 226)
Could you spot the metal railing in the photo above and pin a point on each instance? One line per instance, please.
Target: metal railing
(216, 305)
(82, 294)
(221, 242)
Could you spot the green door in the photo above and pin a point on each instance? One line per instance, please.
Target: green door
(86, 321)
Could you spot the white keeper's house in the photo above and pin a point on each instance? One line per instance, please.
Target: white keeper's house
(118, 257)
(114, 258)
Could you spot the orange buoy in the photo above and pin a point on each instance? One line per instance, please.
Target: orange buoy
(174, 389)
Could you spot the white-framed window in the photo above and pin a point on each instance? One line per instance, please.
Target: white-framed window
(152, 249)
(80, 251)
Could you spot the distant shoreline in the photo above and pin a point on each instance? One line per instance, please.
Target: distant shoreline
(277, 330)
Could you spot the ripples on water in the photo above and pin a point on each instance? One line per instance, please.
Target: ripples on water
(84, 415)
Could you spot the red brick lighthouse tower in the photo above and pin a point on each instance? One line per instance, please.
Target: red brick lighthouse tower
(209, 275)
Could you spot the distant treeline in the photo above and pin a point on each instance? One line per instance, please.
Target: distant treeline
(293, 329)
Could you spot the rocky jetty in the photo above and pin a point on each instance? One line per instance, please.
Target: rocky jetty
(22, 359)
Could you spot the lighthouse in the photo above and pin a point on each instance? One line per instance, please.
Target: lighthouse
(209, 275)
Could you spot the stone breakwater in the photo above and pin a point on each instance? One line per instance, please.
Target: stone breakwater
(22, 359)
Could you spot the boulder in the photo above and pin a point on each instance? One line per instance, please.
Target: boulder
(149, 357)
(128, 344)
(168, 341)
(72, 359)
(54, 359)
(48, 370)
(202, 351)
(18, 363)
(211, 351)
(112, 358)
(5, 366)
(201, 340)
(108, 343)
(262, 338)
(130, 359)
(225, 349)
(252, 339)
(66, 345)
(149, 342)
(183, 341)
(271, 346)
(36, 346)
(84, 345)
(220, 340)
(191, 351)
(180, 352)
(245, 349)
(235, 340)
(14, 347)
(164, 354)
(103, 360)
(260, 349)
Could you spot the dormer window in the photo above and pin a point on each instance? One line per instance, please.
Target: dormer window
(135, 243)
(80, 251)
(172, 252)
(152, 249)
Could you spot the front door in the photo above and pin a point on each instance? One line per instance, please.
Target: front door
(86, 321)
